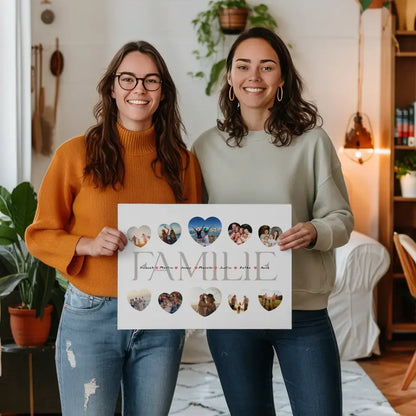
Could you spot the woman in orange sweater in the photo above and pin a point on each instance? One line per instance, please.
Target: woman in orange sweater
(134, 154)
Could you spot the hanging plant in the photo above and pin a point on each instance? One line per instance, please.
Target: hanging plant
(365, 4)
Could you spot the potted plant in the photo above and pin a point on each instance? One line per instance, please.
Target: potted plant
(373, 4)
(405, 169)
(209, 33)
(37, 283)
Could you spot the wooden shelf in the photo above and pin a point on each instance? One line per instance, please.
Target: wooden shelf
(404, 327)
(396, 312)
(405, 33)
(404, 199)
(405, 54)
(404, 147)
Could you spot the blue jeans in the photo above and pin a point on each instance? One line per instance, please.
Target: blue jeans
(93, 358)
(309, 361)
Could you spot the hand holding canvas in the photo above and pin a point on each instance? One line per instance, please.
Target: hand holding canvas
(107, 243)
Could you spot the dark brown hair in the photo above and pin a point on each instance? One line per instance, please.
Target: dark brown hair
(104, 150)
(288, 118)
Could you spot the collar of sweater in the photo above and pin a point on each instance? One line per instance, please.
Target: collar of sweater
(137, 142)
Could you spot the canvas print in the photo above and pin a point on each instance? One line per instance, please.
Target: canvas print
(180, 269)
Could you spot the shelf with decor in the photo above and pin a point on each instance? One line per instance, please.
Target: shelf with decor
(397, 210)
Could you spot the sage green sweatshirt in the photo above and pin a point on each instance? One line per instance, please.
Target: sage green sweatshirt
(306, 174)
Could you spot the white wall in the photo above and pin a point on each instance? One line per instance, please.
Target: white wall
(15, 114)
(324, 38)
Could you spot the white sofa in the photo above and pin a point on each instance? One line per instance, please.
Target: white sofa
(360, 264)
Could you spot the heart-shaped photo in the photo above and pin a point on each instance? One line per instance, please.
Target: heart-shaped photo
(270, 299)
(139, 236)
(205, 301)
(204, 232)
(269, 235)
(170, 302)
(239, 233)
(238, 304)
(139, 299)
(169, 234)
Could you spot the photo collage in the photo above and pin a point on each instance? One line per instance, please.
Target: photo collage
(204, 232)
(222, 266)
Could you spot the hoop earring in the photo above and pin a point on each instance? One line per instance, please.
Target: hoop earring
(279, 94)
(231, 91)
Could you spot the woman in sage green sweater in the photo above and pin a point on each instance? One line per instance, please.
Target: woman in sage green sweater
(270, 149)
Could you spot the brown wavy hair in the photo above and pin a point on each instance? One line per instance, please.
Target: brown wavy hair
(103, 147)
(288, 118)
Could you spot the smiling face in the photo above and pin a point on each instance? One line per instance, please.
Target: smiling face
(255, 75)
(136, 107)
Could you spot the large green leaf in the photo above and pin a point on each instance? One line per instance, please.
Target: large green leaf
(8, 261)
(62, 281)
(9, 282)
(43, 281)
(23, 207)
(214, 75)
(365, 4)
(7, 235)
(5, 201)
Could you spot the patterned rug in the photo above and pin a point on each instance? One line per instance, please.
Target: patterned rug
(198, 393)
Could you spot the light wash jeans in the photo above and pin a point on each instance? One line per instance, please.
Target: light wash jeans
(93, 358)
(309, 361)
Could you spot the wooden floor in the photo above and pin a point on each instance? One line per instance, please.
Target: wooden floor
(387, 372)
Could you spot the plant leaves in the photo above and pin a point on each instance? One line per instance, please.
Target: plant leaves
(365, 4)
(8, 235)
(62, 280)
(9, 282)
(7, 261)
(5, 201)
(214, 75)
(23, 207)
(43, 281)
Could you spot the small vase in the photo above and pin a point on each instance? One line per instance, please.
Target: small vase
(376, 4)
(406, 14)
(408, 185)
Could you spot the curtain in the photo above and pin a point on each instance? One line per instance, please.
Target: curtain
(15, 110)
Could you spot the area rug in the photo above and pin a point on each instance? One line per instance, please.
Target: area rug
(198, 393)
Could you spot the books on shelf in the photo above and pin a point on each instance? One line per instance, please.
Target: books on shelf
(405, 120)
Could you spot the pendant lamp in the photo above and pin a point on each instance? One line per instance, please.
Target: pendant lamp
(359, 145)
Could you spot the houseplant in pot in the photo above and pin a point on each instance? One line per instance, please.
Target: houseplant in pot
(210, 35)
(405, 169)
(373, 4)
(37, 283)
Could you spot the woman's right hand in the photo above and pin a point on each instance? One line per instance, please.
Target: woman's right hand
(107, 243)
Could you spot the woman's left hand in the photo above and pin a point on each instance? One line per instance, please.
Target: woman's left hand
(301, 235)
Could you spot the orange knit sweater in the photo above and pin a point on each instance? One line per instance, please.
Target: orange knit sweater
(70, 207)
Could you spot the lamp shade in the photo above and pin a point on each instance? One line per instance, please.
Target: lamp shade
(359, 138)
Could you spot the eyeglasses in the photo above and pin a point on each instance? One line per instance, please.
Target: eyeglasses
(128, 81)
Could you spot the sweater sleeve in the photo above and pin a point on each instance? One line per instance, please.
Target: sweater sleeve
(47, 238)
(332, 216)
(193, 181)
